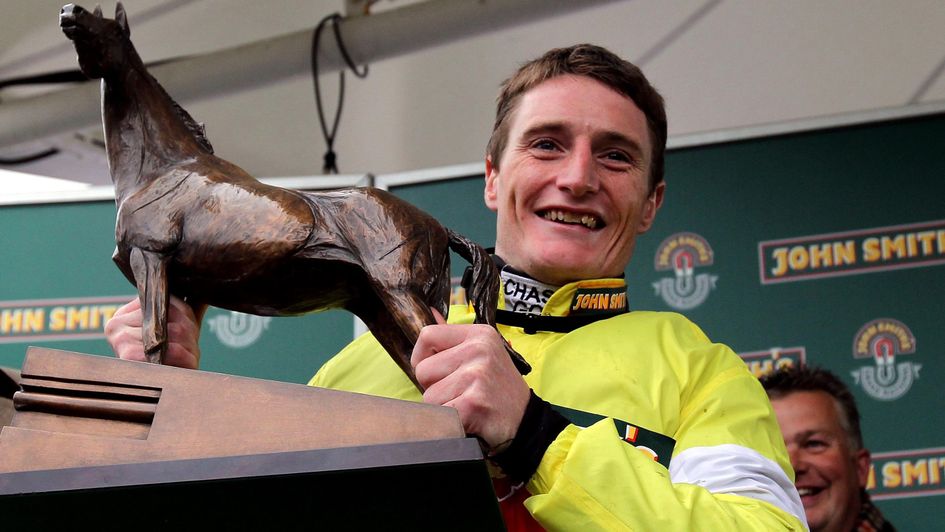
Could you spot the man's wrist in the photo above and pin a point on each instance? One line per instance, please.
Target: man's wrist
(539, 427)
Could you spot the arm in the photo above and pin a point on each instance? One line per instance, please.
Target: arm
(729, 471)
(123, 333)
(718, 479)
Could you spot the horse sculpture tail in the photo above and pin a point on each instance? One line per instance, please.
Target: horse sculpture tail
(483, 287)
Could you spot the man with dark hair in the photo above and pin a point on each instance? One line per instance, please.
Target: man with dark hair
(821, 427)
(628, 420)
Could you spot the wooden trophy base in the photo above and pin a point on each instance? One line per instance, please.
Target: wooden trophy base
(113, 443)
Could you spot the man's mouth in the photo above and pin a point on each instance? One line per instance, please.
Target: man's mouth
(808, 492)
(587, 220)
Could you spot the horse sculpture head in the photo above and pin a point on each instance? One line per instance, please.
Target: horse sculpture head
(103, 45)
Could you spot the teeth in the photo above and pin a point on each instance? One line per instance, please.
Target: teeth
(586, 220)
(805, 491)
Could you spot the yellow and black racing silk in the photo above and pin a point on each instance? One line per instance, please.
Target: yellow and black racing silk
(669, 431)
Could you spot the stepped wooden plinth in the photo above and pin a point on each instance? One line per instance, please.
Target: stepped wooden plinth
(109, 444)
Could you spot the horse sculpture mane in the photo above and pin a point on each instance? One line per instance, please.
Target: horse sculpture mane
(192, 224)
(196, 129)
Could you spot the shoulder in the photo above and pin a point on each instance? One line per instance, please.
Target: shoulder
(663, 342)
(667, 331)
(673, 322)
(364, 366)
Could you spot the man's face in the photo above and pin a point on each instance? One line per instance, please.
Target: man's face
(571, 190)
(829, 473)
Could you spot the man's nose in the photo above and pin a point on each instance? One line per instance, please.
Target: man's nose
(798, 460)
(579, 175)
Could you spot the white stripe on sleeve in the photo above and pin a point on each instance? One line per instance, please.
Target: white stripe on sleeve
(737, 470)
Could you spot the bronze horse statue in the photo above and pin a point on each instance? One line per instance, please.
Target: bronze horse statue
(192, 224)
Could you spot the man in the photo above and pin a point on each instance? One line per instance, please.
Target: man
(629, 420)
(821, 427)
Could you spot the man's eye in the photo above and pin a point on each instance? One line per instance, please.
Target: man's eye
(617, 156)
(815, 444)
(544, 144)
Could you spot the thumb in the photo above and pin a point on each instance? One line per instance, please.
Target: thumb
(440, 320)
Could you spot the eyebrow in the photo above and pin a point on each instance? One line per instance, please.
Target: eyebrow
(814, 432)
(544, 128)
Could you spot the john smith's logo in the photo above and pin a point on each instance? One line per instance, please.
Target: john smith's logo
(237, 330)
(682, 253)
(883, 341)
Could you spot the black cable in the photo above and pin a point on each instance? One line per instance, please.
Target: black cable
(69, 76)
(330, 165)
(61, 76)
(29, 158)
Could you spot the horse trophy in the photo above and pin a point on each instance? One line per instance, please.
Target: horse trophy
(195, 225)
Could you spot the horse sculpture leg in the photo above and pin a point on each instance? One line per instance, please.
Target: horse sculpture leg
(386, 325)
(150, 272)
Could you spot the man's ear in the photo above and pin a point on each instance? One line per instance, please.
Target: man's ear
(862, 462)
(491, 194)
(651, 206)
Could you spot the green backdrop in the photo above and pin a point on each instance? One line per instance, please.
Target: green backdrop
(741, 204)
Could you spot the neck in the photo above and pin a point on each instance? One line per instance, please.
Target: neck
(143, 132)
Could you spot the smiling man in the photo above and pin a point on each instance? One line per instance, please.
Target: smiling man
(628, 420)
(573, 182)
(821, 427)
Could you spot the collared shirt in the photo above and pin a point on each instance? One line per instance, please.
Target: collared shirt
(871, 519)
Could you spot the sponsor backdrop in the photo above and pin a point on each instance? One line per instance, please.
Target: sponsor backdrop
(822, 247)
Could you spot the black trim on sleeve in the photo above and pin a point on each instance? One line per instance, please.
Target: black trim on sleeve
(540, 426)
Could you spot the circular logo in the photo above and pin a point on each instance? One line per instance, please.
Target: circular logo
(238, 330)
(882, 340)
(681, 253)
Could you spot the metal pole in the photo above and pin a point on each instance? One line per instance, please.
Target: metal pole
(368, 39)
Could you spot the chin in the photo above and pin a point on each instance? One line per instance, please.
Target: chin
(553, 272)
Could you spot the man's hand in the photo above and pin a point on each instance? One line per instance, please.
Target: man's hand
(123, 332)
(467, 367)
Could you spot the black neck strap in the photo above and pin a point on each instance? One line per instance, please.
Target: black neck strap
(532, 323)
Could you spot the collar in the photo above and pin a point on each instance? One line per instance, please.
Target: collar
(572, 306)
(870, 518)
(522, 294)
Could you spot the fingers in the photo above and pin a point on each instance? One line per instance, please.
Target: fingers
(467, 367)
(187, 312)
(183, 334)
(129, 313)
(441, 349)
(181, 356)
(123, 333)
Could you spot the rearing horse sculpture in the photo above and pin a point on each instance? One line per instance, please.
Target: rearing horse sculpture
(198, 226)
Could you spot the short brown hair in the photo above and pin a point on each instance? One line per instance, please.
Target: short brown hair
(799, 378)
(593, 62)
